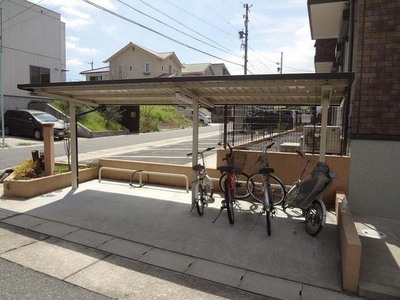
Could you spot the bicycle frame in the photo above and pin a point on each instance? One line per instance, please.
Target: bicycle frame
(307, 195)
(203, 184)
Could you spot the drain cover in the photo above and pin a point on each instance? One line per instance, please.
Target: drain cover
(373, 234)
(5, 213)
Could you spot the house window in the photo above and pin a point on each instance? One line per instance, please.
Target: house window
(95, 78)
(162, 69)
(39, 74)
(130, 68)
(120, 68)
(147, 68)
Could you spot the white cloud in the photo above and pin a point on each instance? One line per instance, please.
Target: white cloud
(72, 45)
(76, 13)
(74, 62)
(110, 29)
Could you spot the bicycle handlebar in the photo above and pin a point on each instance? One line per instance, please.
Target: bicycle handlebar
(201, 152)
(270, 145)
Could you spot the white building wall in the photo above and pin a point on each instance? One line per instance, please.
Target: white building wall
(31, 35)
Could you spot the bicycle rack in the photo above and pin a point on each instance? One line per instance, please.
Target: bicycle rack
(144, 172)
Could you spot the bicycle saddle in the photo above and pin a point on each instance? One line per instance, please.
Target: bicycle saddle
(198, 167)
(226, 168)
(266, 170)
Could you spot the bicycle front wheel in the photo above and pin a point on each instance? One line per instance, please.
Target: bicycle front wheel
(291, 196)
(314, 218)
(201, 200)
(229, 199)
(241, 190)
(255, 185)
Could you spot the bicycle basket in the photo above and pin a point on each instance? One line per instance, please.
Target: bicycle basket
(238, 161)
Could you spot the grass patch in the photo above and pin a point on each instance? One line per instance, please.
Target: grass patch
(152, 118)
(93, 120)
(158, 117)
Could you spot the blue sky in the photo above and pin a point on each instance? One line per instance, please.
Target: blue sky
(210, 26)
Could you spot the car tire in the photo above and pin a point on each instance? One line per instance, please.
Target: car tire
(7, 130)
(37, 134)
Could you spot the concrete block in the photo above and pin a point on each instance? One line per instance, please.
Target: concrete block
(216, 272)
(167, 259)
(271, 286)
(125, 248)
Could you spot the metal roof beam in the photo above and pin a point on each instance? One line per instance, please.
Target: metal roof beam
(202, 101)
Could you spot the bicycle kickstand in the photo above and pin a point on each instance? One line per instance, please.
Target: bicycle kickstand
(220, 211)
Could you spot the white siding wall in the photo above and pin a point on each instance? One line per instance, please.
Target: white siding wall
(33, 36)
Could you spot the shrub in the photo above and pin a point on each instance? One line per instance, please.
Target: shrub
(27, 170)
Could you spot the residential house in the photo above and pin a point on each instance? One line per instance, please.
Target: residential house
(25, 29)
(207, 69)
(364, 37)
(102, 73)
(134, 61)
(204, 69)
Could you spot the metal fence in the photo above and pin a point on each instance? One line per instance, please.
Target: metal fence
(290, 127)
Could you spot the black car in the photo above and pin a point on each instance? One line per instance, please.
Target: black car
(28, 122)
(269, 119)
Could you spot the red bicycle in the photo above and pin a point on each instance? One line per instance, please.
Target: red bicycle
(229, 186)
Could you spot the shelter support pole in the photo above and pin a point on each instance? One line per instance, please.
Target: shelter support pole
(74, 143)
(326, 94)
(195, 149)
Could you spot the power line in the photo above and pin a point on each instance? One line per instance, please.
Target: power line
(156, 32)
(180, 23)
(28, 8)
(189, 13)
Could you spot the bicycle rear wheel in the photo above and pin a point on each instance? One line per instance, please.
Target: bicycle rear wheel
(200, 201)
(314, 218)
(241, 190)
(255, 185)
(229, 200)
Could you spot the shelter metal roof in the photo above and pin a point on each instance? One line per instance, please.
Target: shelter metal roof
(281, 89)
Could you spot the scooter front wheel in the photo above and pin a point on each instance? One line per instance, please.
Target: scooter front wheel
(315, 218)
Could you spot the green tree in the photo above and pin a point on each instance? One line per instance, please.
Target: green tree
(111, 114)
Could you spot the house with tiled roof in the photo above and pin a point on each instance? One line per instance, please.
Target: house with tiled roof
(134, 61)
(204, 69)
(102, 73)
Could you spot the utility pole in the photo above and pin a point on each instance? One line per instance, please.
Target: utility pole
(245, 34)
(1, 79)
(280, 68)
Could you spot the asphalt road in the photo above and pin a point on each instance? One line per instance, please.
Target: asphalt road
(166, 146)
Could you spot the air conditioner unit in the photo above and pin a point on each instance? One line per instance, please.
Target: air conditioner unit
(311, 139)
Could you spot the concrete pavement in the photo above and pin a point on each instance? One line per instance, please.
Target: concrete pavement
(111, 240)
(141, 243)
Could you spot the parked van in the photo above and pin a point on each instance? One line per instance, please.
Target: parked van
(27, 122)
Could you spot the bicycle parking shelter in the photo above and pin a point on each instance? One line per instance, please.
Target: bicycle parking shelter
(322, 89)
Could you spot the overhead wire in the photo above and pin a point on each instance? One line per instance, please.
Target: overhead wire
(189, 13)
(173, 28)
(156, 32)
(211, 8)
(182, 24)
(28, 8)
